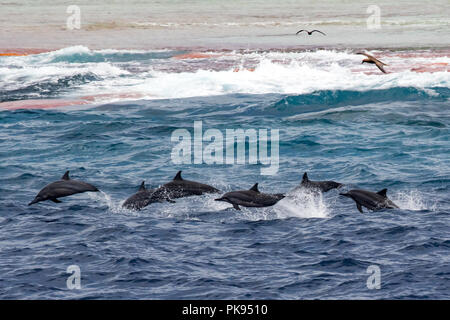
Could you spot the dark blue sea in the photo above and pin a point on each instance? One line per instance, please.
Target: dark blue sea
(108, 117)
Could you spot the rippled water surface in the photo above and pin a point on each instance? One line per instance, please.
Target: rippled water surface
(112, 125)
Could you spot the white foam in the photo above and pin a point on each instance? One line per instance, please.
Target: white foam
(15, 78)
(250, 72)
(82, 50)
(68, 51)
(284, 73)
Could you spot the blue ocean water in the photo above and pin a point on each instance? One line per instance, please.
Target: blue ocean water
(359, 129)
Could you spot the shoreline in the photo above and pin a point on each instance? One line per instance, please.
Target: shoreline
(24, 51)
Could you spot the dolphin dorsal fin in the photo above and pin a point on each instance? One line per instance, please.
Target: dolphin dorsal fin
(66, 176)
(305, 177)
(178, 176)
(382, 193)
(255, 188)
(142, 187)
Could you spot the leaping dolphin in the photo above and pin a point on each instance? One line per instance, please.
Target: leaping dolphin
(143, 198)
(62, 188)
(250, 198)
(179, 188)
(371, 200)
(140, 199)
(322, 186)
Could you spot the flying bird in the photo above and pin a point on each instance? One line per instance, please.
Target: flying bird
(310, 32)
(371, 59)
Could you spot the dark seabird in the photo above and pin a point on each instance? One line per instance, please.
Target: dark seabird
(373, 60)
(310, 32)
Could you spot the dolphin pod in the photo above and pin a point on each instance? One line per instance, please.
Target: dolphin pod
(180, 188)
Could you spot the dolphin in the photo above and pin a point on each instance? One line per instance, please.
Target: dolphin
(143, 198)
(140, 199)
(322, 186)
(250, 198)
(179, 188)
(62, 188)
(371, 200)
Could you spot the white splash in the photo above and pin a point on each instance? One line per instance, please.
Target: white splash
(113, 206)
(412, 200)
(302, 204)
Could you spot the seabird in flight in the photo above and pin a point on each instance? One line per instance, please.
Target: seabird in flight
(371, 59)
(310, 32)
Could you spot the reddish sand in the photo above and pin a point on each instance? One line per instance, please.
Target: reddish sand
(12, 54)
(243, 69)
(195, 55)
(40, 104)
(21, 52)
(432, 67)
(61, 103)
(415, 54)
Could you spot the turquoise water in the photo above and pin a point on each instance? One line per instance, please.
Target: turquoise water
(337, 119)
